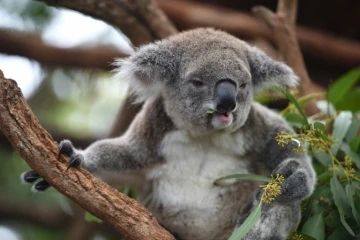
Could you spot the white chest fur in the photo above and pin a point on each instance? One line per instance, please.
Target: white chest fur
(185, 182)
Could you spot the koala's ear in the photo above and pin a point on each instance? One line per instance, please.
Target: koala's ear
(148, 70)
(266, 71)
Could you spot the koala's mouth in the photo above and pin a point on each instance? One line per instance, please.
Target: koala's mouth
(221, 120)
(224, 117)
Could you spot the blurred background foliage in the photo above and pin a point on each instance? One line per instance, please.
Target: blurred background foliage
(81, 104)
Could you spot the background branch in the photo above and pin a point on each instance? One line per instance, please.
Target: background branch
(140, 20)
(31, 46)
(37, 148)
(327, 47)
(283, 26)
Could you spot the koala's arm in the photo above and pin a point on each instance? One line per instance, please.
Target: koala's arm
(135, 150)
(119, 158)
(300, 177)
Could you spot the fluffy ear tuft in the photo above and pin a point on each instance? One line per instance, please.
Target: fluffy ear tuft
(266, 71)
(147, 70)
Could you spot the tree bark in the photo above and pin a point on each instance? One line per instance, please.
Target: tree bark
(37, 148)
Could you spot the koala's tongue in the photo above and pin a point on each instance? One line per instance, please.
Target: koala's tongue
(224, 117)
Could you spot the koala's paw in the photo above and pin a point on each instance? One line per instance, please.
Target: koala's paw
(30, 177)
(66, 147)
(298, 183)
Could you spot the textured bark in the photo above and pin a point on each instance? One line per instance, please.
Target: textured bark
(283, 26)
(31, 46)
(327, 47)
(37, 148)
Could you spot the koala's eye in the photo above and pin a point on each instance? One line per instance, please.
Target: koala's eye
(243, 85)
(197, 83)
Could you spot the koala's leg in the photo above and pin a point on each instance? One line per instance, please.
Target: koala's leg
(276, 222)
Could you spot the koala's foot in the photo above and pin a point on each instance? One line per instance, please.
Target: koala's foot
(65, 147)
(276, 222)
(30, 177)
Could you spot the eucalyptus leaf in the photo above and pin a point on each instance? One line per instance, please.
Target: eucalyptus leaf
(294, 118)
(350, 102)
(341, 87)
(339, 196)
(355, 144)
(319, 126)
(350, 196)
(248, 224)
(353, 130)
(339, 233)
(324, 158)
(243, 176)
(340, 127)
(296, 104)
(333, 219)
(345, 224)
(315, 227)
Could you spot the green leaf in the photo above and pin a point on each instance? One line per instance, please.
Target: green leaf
(350, 196)
(243, 176)
(340, 196)
(333, 219)
(324, 177)
(210, 111)
(353, 130)
(322, 191)
(350, 102)
(339, 233)
(319, 126)
(91, 218)
(296, 104)
(315, 227)
(341, 87)
(248, 224)
(345, 224)
(340, 127)
(355, 144)
(294, 118)
(324, 158)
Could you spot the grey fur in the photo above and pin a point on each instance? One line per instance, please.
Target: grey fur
(174, 149)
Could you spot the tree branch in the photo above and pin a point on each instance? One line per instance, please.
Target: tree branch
(283, 26)
(31, 46)
(37, 148)
(328, 48)
(140, 20)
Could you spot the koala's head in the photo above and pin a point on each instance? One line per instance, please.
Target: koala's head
(202, 70)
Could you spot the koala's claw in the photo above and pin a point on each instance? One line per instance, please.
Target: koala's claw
(41, 186)
(29, 176)
(66, 147)
(75, 160)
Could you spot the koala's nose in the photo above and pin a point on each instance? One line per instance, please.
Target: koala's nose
(225, 96)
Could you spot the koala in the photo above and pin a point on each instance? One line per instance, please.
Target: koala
(176, 148)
